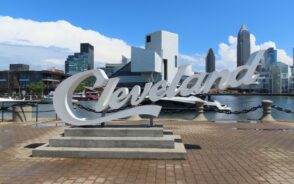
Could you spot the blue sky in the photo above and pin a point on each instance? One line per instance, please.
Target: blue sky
(200, 24)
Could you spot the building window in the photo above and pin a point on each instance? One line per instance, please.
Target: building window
(165, 69)
(176, 61)
(148, 38)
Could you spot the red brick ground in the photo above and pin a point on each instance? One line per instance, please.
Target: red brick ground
(231, 153)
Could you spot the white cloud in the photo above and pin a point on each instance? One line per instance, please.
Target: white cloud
(44, 44)
(226, 56)
(36, 56)
(254, 47)
(196, 60)
(60, 34)
(284, 57)
(281, 53)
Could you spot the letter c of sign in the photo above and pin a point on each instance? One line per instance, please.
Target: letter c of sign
(62, 101)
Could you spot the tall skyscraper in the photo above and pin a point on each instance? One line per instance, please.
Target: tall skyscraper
(88, 49)
(82, 61)
(210, 61)
(272, 54)
(243, 46)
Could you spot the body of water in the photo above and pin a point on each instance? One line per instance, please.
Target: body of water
(236, 103)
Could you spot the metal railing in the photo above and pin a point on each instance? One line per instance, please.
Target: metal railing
(198, 109)
(37, 112)
(266, 109)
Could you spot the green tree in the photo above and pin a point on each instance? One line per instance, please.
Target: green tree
(36, 88)
(82, 85)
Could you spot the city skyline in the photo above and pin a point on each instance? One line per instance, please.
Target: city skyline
(59, 35)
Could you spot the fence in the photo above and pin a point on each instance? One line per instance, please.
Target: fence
(266, 106)
(36, 111)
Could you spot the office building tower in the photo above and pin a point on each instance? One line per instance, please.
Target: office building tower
(271, 55)
(210, 61)
(82, 61)
(243, 46)
(87, 48)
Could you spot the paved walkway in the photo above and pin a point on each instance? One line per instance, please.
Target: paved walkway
(230, 153)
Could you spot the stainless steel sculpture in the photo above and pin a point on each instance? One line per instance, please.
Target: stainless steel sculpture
(115, 99)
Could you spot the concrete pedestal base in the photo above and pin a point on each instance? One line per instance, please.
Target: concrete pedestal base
(200, 117)
(267, 118)
(22, 113)
(267, 111)
(199, 111)
(113, 142)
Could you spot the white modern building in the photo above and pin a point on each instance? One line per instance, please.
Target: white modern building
(280, 75)
(291, 80)
(157, 61)
(264, 80)
(274, 76)
(110, 69)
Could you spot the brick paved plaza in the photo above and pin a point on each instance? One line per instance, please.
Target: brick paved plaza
(230, 153)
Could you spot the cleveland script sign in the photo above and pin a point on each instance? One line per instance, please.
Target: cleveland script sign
(113, 98)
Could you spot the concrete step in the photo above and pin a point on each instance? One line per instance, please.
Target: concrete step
(167, 132)
(178, 152)
(114, 132)
(167, 141)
